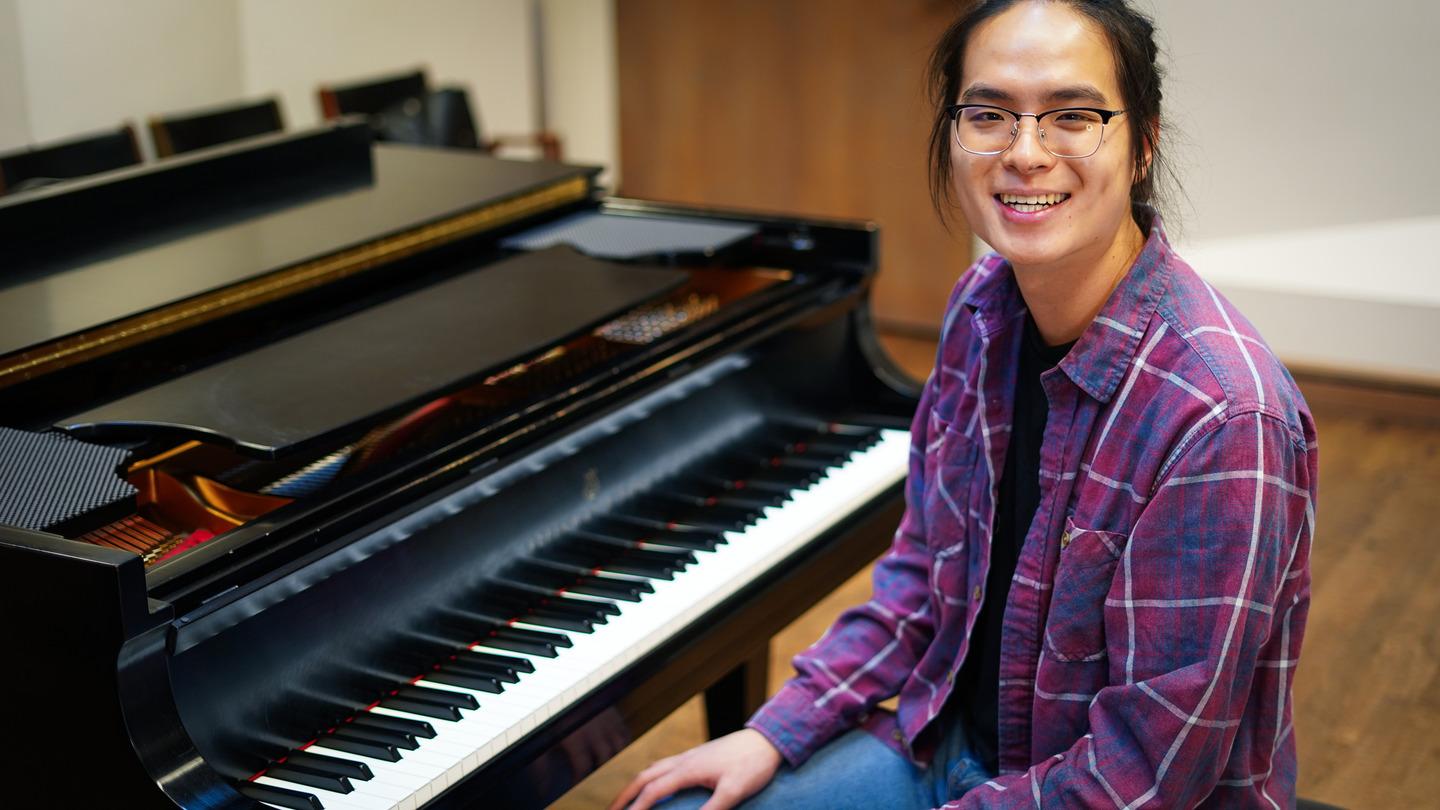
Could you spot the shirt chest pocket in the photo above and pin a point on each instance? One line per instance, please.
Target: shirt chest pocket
(951, 484)
(1089, 559)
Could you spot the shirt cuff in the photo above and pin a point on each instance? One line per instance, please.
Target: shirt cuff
(795, 725)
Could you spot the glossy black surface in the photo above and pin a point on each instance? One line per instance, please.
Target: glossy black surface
(314, 384)
(269, 650)
(61, 277)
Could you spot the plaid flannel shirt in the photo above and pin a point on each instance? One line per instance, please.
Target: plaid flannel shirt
(1154, 620)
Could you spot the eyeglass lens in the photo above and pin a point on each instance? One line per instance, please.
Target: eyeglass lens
(1066, 133)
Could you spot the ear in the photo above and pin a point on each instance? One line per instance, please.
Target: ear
(1152, 136)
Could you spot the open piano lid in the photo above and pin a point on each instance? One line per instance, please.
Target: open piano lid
(311, 386)
(100, 264)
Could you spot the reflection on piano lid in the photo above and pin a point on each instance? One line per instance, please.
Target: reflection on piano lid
(401, 499)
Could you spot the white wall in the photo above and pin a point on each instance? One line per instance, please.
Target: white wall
(486, 46)
(1305, 147)
(68, 67)
(14, 116)
(87, 66)
(582, 95)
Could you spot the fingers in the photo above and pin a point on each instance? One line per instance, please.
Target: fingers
(661, 787)
(640, 781)
(725, 796)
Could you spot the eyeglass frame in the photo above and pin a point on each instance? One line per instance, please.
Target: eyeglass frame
(952, 112)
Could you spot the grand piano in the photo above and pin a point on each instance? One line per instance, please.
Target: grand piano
(350, 475)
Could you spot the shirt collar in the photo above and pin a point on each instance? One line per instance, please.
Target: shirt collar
(1105, 349)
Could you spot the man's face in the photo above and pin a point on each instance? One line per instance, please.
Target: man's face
(1031, 58)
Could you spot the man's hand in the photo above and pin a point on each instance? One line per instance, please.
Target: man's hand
(733, 768)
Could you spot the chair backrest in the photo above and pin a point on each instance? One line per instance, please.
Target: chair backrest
(74, 157)
(439, 118)
(372, 96)
(186, 132)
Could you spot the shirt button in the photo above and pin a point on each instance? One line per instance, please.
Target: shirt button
(951, 677)
(975, 594)
(898, 735)
(1065, 540)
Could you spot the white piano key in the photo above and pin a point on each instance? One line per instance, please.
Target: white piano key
(462, 746)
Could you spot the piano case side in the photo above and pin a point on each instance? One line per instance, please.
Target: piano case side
(91, 695)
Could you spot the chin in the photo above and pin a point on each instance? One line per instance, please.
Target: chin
(1024, 252)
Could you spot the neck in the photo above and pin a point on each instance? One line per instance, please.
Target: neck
(1063, 298)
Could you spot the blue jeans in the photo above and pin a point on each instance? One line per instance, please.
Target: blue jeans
(858, 771)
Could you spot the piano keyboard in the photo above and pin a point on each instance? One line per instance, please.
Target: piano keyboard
(557, 626)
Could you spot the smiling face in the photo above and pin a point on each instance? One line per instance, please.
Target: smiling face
(1038, 210)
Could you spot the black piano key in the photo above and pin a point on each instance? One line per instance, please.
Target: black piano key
(281, 797)
(578, 578)
(320, 763)
(550, 597)
(496, 603)
(399, 739)
(691, 541)
(299, 776)
(692, 495)
(670, 512)
(622, 529)
(415, 728)
(750, 460)
(596, 612)
(832, 455)
(817, 442)
(616, 564)
(771, 482)
(691, 521)
(543, 649)
(486, 663)
(364, 748)
(559, 620)
(602, 545)
(801, 464)
(615, 559)
(480, 683)
(606, 588)
(507, 662)
(442, 697)
(419, 707)
(469, 627)
(837, 427)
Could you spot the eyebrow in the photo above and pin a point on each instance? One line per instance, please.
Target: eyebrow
(1068, 93)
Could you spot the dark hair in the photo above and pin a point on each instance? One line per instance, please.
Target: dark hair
(1132, 41)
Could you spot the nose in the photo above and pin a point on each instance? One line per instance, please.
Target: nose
(1027, 153)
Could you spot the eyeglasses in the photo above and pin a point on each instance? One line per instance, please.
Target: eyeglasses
(1069, 132)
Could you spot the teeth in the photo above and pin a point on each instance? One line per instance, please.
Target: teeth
(1033, 199)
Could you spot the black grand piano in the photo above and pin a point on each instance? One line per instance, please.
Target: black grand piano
(345, 475)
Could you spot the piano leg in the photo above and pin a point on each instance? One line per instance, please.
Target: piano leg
(730, 701)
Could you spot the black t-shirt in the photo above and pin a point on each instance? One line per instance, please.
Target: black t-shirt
(977, 688)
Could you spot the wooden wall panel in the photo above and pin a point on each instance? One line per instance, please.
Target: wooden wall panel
(801, 106)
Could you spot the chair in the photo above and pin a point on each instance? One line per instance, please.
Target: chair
(403, 109)
(185, 132)
(373, 96)
(76, 157)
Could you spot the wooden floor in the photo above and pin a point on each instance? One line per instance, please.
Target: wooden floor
(1367, 693)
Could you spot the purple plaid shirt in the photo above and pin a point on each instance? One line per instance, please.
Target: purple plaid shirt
(1155, 617)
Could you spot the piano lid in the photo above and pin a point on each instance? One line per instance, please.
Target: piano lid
(101, 264)
(315, 384)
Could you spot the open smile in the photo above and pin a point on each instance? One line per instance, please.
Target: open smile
(1031, 203)
(1030, 209)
